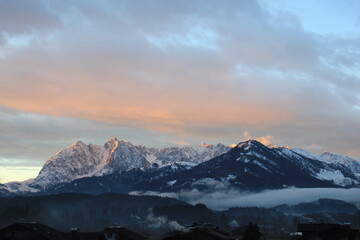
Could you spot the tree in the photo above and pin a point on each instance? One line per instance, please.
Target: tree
(224, 222)
(252, 232)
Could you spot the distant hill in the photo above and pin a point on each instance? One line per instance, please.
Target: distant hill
(320, 206)
(79, 210)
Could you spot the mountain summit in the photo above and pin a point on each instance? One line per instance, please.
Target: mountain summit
(80, 160)
(120, 166)
(252, 166)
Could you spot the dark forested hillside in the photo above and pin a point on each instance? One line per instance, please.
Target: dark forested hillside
(79, 210)
(156, 215)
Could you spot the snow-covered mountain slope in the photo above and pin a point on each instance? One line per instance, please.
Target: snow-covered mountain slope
(81, 160)
(123, 156)
(18, 188)
(78, 160)
(336, 165)
(253, 166)
(341, 170)
(250, 166)
(337, 159)
(189, 154)
(123, 167)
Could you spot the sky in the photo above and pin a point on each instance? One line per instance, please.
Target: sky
(174, 73)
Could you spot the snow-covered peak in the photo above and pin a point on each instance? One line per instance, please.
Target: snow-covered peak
(197, 154)
(112, 143)
(305, 153)
(114, 139)
(124, 156)
(78, 144)
(335, 158)
(81, 160)
(115, 142)
(78, 160)
(249, 144)
(279, 147)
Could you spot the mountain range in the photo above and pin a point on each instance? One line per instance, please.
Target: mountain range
(120, 166)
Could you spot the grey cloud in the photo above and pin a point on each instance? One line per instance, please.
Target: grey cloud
(101, 51)
(162, 222)
(226, 198)
(24, 18)
(28, 139)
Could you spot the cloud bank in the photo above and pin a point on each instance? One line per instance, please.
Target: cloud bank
(224, 199)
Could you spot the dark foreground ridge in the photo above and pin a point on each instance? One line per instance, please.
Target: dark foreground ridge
(308, 231)
(159, 217)
(38, 231)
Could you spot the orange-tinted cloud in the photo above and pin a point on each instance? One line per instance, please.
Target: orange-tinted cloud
(266, 140)
(122, 98)
(180, 73)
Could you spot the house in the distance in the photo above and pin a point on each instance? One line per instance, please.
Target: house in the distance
(201, 232)
(30, 231)
(119, 233)
(75, 234)
(325, 231)
(251, 231)
(38, 231)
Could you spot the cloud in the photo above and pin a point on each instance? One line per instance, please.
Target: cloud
(220, 195)
(188, 72)
(226, 198)
(28, 139)
(21, 22)
(162, 222)
(247, 135)
(315, 147)
(266, 140)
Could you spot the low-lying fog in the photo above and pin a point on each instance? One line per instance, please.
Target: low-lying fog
(223, 199)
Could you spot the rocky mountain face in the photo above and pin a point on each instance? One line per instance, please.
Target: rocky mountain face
(81, 160)
(78, 160)
(120, 166)
(250, 166)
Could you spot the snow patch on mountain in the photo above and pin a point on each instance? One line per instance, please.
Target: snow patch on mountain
(152, 158)
(170, 183)
(337, 159)
(335, 176)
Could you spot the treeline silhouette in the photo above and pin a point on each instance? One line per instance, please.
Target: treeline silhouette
(92, 213)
